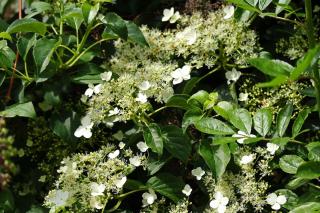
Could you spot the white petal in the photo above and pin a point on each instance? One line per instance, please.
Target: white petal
(114, 154)
(86, 121)
(135, 161)
(121, 145)
(224, 201)
(175, 17)
(142, 98)
(121, 182)
(167, 14)
(272, 148)
(198, 173)
(79, 132)
(221, 209)
(177, 73)
(142, 146)
(88, 92)
(97, 88)
(229, 11)
(272, 198)
(177, 81)
(87, 133)
(241, 140)
(187, 190)
(243, 96)
(214, 204)
(276, 206)
(185, 70)
(247, 159)
(145, 85)
(106, 76)
(281, 199)
(218, 196)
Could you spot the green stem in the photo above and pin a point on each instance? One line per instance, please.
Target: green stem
(157, 110)
(114, 208)
(67, 48)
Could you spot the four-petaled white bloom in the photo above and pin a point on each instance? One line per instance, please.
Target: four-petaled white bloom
(60, 198)
(142, 98)
(247, 159)
(170, 15)
(119, 183)
(106, 76)
(85, 128)
(135, 161)
(181, 74)
(219, 203)
(187, 190)
(232, 75)
(114, 154)
(242, 136)
(148, 198)
(272, 148)
(95, 203)
(145, 85)
(97, 189)
(198, 173)
(121, 145)
(228, 11)
(142, 146)
(188, 35)
(243, 96)
(276, 201)
(92, 89)
(114, 111)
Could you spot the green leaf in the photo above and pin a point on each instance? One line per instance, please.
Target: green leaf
(308, 61)
(24, 45)
(223, 140)
(290, 163)
(190, 117)
(271, 67)
(296, 183)
(5, 35)
(262, 121)
(7, 56)
(277, 81)
(42, 52)
(154, 166)
(22, 110)
(310, 207)
(134, 185)
(65, 125)
(241, 119)
(283, 118)
(6, 201)
(292, 198)
(88, 73)
(89, 12)
(74, 18)
(263, 4)
(153, 137)
(252, 2)
(178, 101)
(216, 157)
(309, 170)
(167, 185)
(27, 25)
(299, 121)
(135, 34)
(177, 143)
(280, 141)
(117, 25)
(201, 96)
(244, 5)
(224, 109)
(190, 85)
(314, 151)
(280, 8)
(213, 126)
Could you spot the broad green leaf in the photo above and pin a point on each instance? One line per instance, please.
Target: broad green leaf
(22, 110)
(177, 143)
(88, 73)
(243, 4)
(314, 151)
(262, 121)
(134, 185)
(280, 8)
(7, 56)
(167, 185)
(292, 198)
(153, 137)
(36, 8)
(216, 157)
(213, 126)
(280, 141)
(178, 101)
(263, 4)
(5, 35)
(211, 102)
(310, 207)
(117, 25)
(135, 34)
(296, 183)
(241, 119)
(223, 140)
(190, 117)
(290, 163)
(299, 121)
(271, 67)
(201, 96)
(190, 85)
(65, 125)
(283, 118)
(252, 2)
(42, 52)
(224, 109)
(309, 170)
(253, 140)
(74, 18)
(24, 45)
(89, 12)
(275, 82)
(311, 57)
(27, 25)
(154, 165)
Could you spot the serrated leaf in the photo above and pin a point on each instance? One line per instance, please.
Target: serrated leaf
(296, 183)
(272, 67)
(290, 163)
(252, 2)
(153, 137)
(241, 119)
(213, 126)
(190, 117)
(178, 101)
(22, 110)
(74, 18)
(27, 25)
(263, 4)
(224, 109)
(262, 121)
(299, 121)
(283, 119)
(309, 170)
(201, 96)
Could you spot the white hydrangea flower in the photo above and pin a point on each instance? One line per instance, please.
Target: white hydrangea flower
(170, 15)
(247, 159)
(119, 183)
(106, 76)
(92, 89)
(187, 190)
(148, 198)
(233, 75)
(60, 198)
(243, 96)
(85, 128)
(114, 154)
(276, 201)
(121, 145)
(229, 11)
(198, 173)
(242, 136)
(135, 161)
(142, 146)
(272, 148)
(145, 85)
(95, 203)
(219, 203)
(142, 98)
(114, 111)
(188, 35)
(97, 189)
(181, 74)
